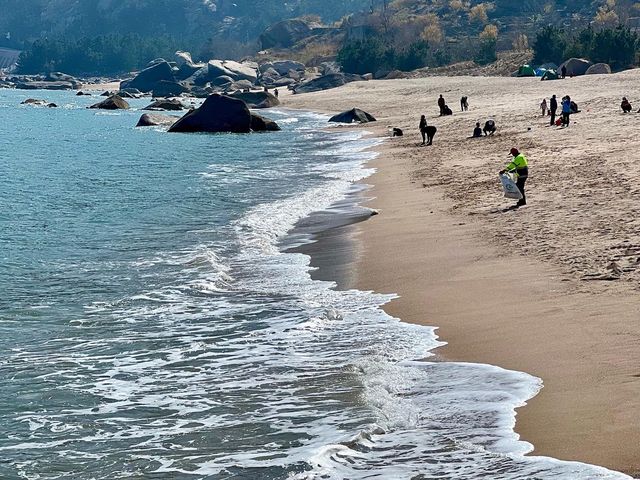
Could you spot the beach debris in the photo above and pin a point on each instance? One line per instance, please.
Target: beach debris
(355, 115)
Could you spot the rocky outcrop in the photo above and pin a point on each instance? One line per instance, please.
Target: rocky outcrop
(150, 77)
(235, 70)
(169, 89)
(257, 99)
(261, 124)
(355, 115)
(285, 34)
(45, 85)
(598, 69)
(575, 66)
(160, 105)
(155, 120)
(218, 113)
(326, 82)
(281, 67)
(114, 102)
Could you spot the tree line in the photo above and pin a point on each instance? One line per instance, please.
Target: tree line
(101, 55)
(616, 46)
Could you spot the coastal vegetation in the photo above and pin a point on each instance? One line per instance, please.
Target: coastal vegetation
(617, 46)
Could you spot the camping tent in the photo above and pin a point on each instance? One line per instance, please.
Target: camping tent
(526, 71)
(540, 71)
(550, 75)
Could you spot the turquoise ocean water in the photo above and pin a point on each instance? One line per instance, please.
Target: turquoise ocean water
(151, 325)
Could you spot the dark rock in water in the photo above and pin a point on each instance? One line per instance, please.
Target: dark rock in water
(33, 101)
(353, 115)
(44, 85)
(123, 94)
(169, 89)
(285, 34)
(148, 78)
(106, 94)
(326, 82)
(257, 99)
(156, 119)
(166, 105)
(81, 94)
(218, 113)
(261, 124)
(114, 102)
(52, 105)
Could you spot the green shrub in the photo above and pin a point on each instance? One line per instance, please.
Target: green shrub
(549, 46)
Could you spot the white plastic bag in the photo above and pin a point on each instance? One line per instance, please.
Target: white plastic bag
(509, 186)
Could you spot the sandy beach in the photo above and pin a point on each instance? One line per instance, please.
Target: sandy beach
(550, 289)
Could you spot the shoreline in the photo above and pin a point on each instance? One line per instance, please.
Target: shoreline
(453, 272)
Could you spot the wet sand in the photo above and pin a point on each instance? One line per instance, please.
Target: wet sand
(551, 289)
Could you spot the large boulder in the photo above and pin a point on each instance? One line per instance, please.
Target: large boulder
(326, 82)
(155, 120)
(261, 124)
(159, 105)
(60, 77)
(44, 85)
(281, 67)
(576, 66)
(330, 67)
(355, 115)
(285, 34)
(242, 85)
(234, 70)
(598, 69)
(114, 102)
(149, 78)
(218, 113)
(168, 89)
(257, 99)
(222, 81)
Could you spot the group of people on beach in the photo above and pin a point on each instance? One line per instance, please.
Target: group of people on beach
(567, 105)
(518, 165)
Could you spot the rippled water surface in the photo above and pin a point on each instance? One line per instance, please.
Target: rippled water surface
(151, 326)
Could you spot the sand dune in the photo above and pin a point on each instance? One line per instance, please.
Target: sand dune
(571, 312)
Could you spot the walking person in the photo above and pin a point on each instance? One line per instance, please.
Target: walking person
(563, 71)
(543, 106)
(566, 110)
(464, 104)
(520, 166)
(423, 129)
(553, 107)
(441, 105)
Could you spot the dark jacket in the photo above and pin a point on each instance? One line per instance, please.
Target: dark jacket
(553, 106)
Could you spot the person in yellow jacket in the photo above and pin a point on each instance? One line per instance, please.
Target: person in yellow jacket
(520, 165)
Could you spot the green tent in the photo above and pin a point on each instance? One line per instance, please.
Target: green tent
(526, 71)
(550, 75)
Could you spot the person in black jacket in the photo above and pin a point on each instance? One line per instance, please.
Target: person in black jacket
(441, 104)
(553, 107)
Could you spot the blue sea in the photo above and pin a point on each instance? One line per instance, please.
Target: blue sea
(153, 324)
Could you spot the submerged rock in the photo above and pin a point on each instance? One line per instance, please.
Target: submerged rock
(355, 115)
